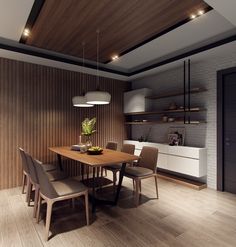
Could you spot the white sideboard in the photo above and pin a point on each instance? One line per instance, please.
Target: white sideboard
(190, 161)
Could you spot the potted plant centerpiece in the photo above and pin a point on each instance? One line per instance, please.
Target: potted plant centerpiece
(88, 128)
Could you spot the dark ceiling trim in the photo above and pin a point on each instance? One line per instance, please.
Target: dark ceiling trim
(91, 66)
(207, 9)
(186, 54)
(34, 13)
(59, 59)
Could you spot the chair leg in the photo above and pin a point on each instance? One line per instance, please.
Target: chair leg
(23, 183)
(87, 208)
(137, 192)
(98, 171)
(114, 178)
(48, 218)
(73, 202)
(87, 171)
(140, 185)
(29, 190)
(156, 186)
(36, 199)
(133, 185)
(39, 207)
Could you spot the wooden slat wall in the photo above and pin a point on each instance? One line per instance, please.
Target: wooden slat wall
(36, 112)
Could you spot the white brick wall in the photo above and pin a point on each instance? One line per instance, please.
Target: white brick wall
(202, 74)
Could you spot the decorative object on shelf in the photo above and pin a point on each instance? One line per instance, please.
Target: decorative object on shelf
(141, 139)
(98, 97)
(81, 101)
(172, 106)
(164, 119)
(173, 139)
(171, 119)
(176, 136)
(95, 150)
(88, 126)
(145, 139)
(148, 134)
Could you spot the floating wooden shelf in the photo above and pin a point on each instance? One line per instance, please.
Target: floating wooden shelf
(179, 93)
(194, 109)
(161, 122)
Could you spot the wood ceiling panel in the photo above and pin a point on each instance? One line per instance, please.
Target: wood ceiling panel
(62, 25)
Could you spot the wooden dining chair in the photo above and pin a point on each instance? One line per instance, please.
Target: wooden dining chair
(33, 181)
(145, 168)
(52, 172)
(55, 191)
(114, 168)
(112, 146)
(26, 176)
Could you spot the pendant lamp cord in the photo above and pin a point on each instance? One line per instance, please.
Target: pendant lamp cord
(83, 89)
(98, 32)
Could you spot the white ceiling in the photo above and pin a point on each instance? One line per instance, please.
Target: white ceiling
(226, 8)
(212, 26)
(198, 30)
(13, 17)
(56, 64)
(228, 49)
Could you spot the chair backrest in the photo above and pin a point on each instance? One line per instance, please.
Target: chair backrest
(148, 158)
(45, 185)
(24, 161)
(128, 148)
(111, 145)
(32, 169)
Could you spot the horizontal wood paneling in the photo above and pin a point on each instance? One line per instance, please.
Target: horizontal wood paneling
(36, 112)
(62, 25)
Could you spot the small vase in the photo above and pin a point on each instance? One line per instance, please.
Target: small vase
(89, 142)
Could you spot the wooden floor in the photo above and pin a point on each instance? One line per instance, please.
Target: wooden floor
(181, 217)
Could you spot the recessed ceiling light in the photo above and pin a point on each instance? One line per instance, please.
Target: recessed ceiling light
(26, 32)
(200, 12)
(193, 16)
(115, 57)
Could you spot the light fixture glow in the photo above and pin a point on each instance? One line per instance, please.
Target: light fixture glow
(193, 16)
(200, 12)
(115, 57)
(80, 101)
(26, 32)
(98, 97)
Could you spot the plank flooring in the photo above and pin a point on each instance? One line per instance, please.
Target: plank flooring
(180, 217)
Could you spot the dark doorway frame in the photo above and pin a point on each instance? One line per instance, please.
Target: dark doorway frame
(220, 125)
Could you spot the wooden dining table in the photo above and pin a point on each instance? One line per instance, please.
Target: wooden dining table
(107, 157)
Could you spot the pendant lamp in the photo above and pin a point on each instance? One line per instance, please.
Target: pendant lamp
(98, 97)
(80, 101)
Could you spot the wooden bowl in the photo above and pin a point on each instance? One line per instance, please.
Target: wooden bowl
(94, 152)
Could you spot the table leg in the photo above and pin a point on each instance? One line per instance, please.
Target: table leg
(59, 161)
(122, 171)
(93, 196)
(82, 171)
